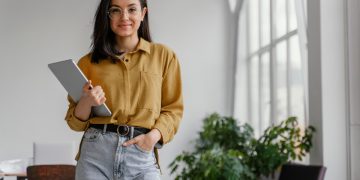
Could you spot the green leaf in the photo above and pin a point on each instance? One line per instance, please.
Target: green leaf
(226, 149)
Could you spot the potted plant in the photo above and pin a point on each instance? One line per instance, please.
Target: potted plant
(226, 150)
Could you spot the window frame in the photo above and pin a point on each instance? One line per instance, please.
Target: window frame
(271, 49)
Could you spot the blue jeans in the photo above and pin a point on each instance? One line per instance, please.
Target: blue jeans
(102, 157)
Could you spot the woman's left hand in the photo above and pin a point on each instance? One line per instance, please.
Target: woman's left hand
(145, 141)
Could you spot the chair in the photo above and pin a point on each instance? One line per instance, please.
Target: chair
(53, 172)
(302, 172)
(65, 153)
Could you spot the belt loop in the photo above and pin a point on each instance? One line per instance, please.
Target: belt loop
(131, 132)
(104, 129)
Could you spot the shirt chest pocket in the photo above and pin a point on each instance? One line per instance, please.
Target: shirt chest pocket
(150, 91)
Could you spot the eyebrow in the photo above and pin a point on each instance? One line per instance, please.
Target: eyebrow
(114, 5)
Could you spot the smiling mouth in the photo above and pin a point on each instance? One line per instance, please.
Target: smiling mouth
(124, 25)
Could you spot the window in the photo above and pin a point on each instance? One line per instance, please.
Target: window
(270, 67)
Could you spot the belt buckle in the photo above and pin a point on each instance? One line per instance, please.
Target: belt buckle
(126, 130)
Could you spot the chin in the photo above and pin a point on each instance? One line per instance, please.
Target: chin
(123, 34)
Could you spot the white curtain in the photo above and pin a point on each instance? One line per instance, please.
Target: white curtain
(234, 11)
(301, 15)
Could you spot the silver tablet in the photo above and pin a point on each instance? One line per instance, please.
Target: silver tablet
(73, 80)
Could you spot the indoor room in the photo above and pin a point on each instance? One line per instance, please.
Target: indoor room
(236, 89)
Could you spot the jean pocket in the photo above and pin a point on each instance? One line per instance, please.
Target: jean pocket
(142, 150)
(91, 135)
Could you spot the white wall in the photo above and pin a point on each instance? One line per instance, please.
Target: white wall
(32, 102)
(327, 86)
(35, 33)
(354, 84)
(334, 88)
(197, 31)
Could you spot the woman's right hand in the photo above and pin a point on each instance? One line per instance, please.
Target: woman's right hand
(92, 96)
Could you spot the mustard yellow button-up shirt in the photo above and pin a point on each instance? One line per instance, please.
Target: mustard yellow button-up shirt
(144, 90)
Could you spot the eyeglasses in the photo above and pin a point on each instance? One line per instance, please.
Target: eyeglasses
(116, 13)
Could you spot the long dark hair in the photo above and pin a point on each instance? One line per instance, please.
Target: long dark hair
(103, 38)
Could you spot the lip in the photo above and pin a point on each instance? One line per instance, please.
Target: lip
(124, 25)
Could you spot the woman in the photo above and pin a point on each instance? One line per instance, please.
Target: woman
(140, 83)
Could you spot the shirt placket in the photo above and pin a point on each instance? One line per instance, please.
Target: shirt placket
(125, 62)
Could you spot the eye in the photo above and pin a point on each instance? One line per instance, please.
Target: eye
(115, 11)
(132, 10)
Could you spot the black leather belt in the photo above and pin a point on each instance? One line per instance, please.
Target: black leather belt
(122, 130)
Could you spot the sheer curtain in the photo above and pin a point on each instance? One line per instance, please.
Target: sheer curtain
(234, 10)
(270, 53)
(301, 15)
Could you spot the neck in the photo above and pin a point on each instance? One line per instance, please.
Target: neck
(127, 44)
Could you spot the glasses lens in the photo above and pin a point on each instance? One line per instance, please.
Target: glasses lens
(133, 11)
(114, 12)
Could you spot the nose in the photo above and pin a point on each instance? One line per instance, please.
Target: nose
(125, 15)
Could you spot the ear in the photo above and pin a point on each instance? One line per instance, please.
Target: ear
(144, 11)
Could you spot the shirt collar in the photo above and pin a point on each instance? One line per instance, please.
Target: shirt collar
(143, 45)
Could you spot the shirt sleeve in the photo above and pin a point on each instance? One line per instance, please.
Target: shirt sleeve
(75, 123)
(171, 103)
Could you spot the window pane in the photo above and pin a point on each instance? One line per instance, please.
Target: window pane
(296, 81)
(281, 75)
(254, 25)
(292, 15)
(265, 22)
(280, 18)
(265, 90)
(287, 73)
(254, 94)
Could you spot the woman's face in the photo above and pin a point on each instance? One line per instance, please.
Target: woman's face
(125, 17)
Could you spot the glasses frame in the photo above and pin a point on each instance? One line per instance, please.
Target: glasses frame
(122, 12)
